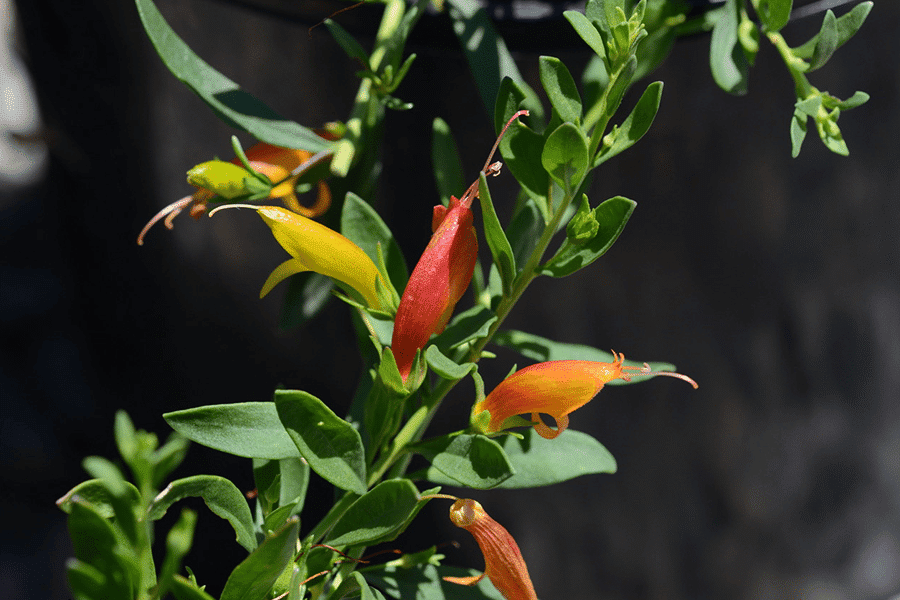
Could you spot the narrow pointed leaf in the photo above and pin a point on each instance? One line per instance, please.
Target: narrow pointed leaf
(847, 26)
(445, 367)
(232, 104)
(586, 31)
(448, 172)
(635, 125)
(250, 429)
(561, 89)
(362, 225)
(496, 237)
(255, 576)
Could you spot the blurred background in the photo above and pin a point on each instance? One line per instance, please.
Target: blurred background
(774, 282)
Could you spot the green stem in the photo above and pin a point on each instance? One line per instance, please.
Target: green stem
(796, 66)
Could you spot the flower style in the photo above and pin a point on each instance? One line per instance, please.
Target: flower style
(315, 247)
(227, 179)
(503, 562)
(555, 388)
(443, 272)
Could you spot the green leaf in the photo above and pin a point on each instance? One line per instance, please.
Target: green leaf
(362, 225)
(383, 408)
(727, 61)
(445, 367)
(232, 104)
(846, 28)
(857, 99)
(448, 173)
(348, 43)
(167, 458)
(798, 131)
(501, 251)
(307, 293)
(539, 462)
(542, 349)
(424, 582)
(473, 461)
(635, 125)
(826, 43)
(525, 229)
(377, 515)
(561, 89)
(489, 59)
(565, 156)
(178, 544)
(249, 429)
(774, 14)
(611, 217)
(586, 31)
(95, 493)
(255, 576)
(120, 496)
(330, 445)
(103, 569)
(469, 325)
(124, 432)
(220, 495)
(185, 589)
(521, 147)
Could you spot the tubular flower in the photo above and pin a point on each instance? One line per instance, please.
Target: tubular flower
(442, 275)
(555, 388)
(503, 562)
(218, 178)
(438, 281)
(315, 247)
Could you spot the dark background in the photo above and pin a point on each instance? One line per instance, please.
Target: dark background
(772, 281)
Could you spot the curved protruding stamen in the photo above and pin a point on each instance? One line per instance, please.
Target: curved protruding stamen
(645, 371)
(238, 205)
(500, 137)
(169, 213)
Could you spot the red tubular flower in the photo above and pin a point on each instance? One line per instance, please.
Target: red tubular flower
(555, 388)
(503, 562)
(442, 275)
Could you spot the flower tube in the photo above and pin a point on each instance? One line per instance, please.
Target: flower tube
(503, 562)
(315, 247)
(228, 179)
(555, 388)
(442, 275)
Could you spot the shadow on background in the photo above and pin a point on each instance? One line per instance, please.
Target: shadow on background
(773, 282)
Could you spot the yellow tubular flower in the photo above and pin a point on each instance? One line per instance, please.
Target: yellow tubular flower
(315, 247)
(503, 562)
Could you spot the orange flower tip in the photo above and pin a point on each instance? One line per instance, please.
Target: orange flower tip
(168, 213)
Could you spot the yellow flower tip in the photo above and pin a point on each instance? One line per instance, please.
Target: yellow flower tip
(503, 562)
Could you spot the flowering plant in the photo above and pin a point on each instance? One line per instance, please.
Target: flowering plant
(382, 459)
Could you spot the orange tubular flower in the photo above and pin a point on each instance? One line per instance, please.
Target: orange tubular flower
(274, 162)
(555, 388)
(442, 275)
(503, 562)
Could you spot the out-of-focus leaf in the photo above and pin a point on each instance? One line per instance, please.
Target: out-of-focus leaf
(184, 589)
(774, 14)
(97, 495)
(362, 225)
(448, 171)
(488, 57)
(729, 66)
(255, 576)
(232, 104)
(424, 582)
(249, 429)
(348, 43)
(845, 27)
(468, 325)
